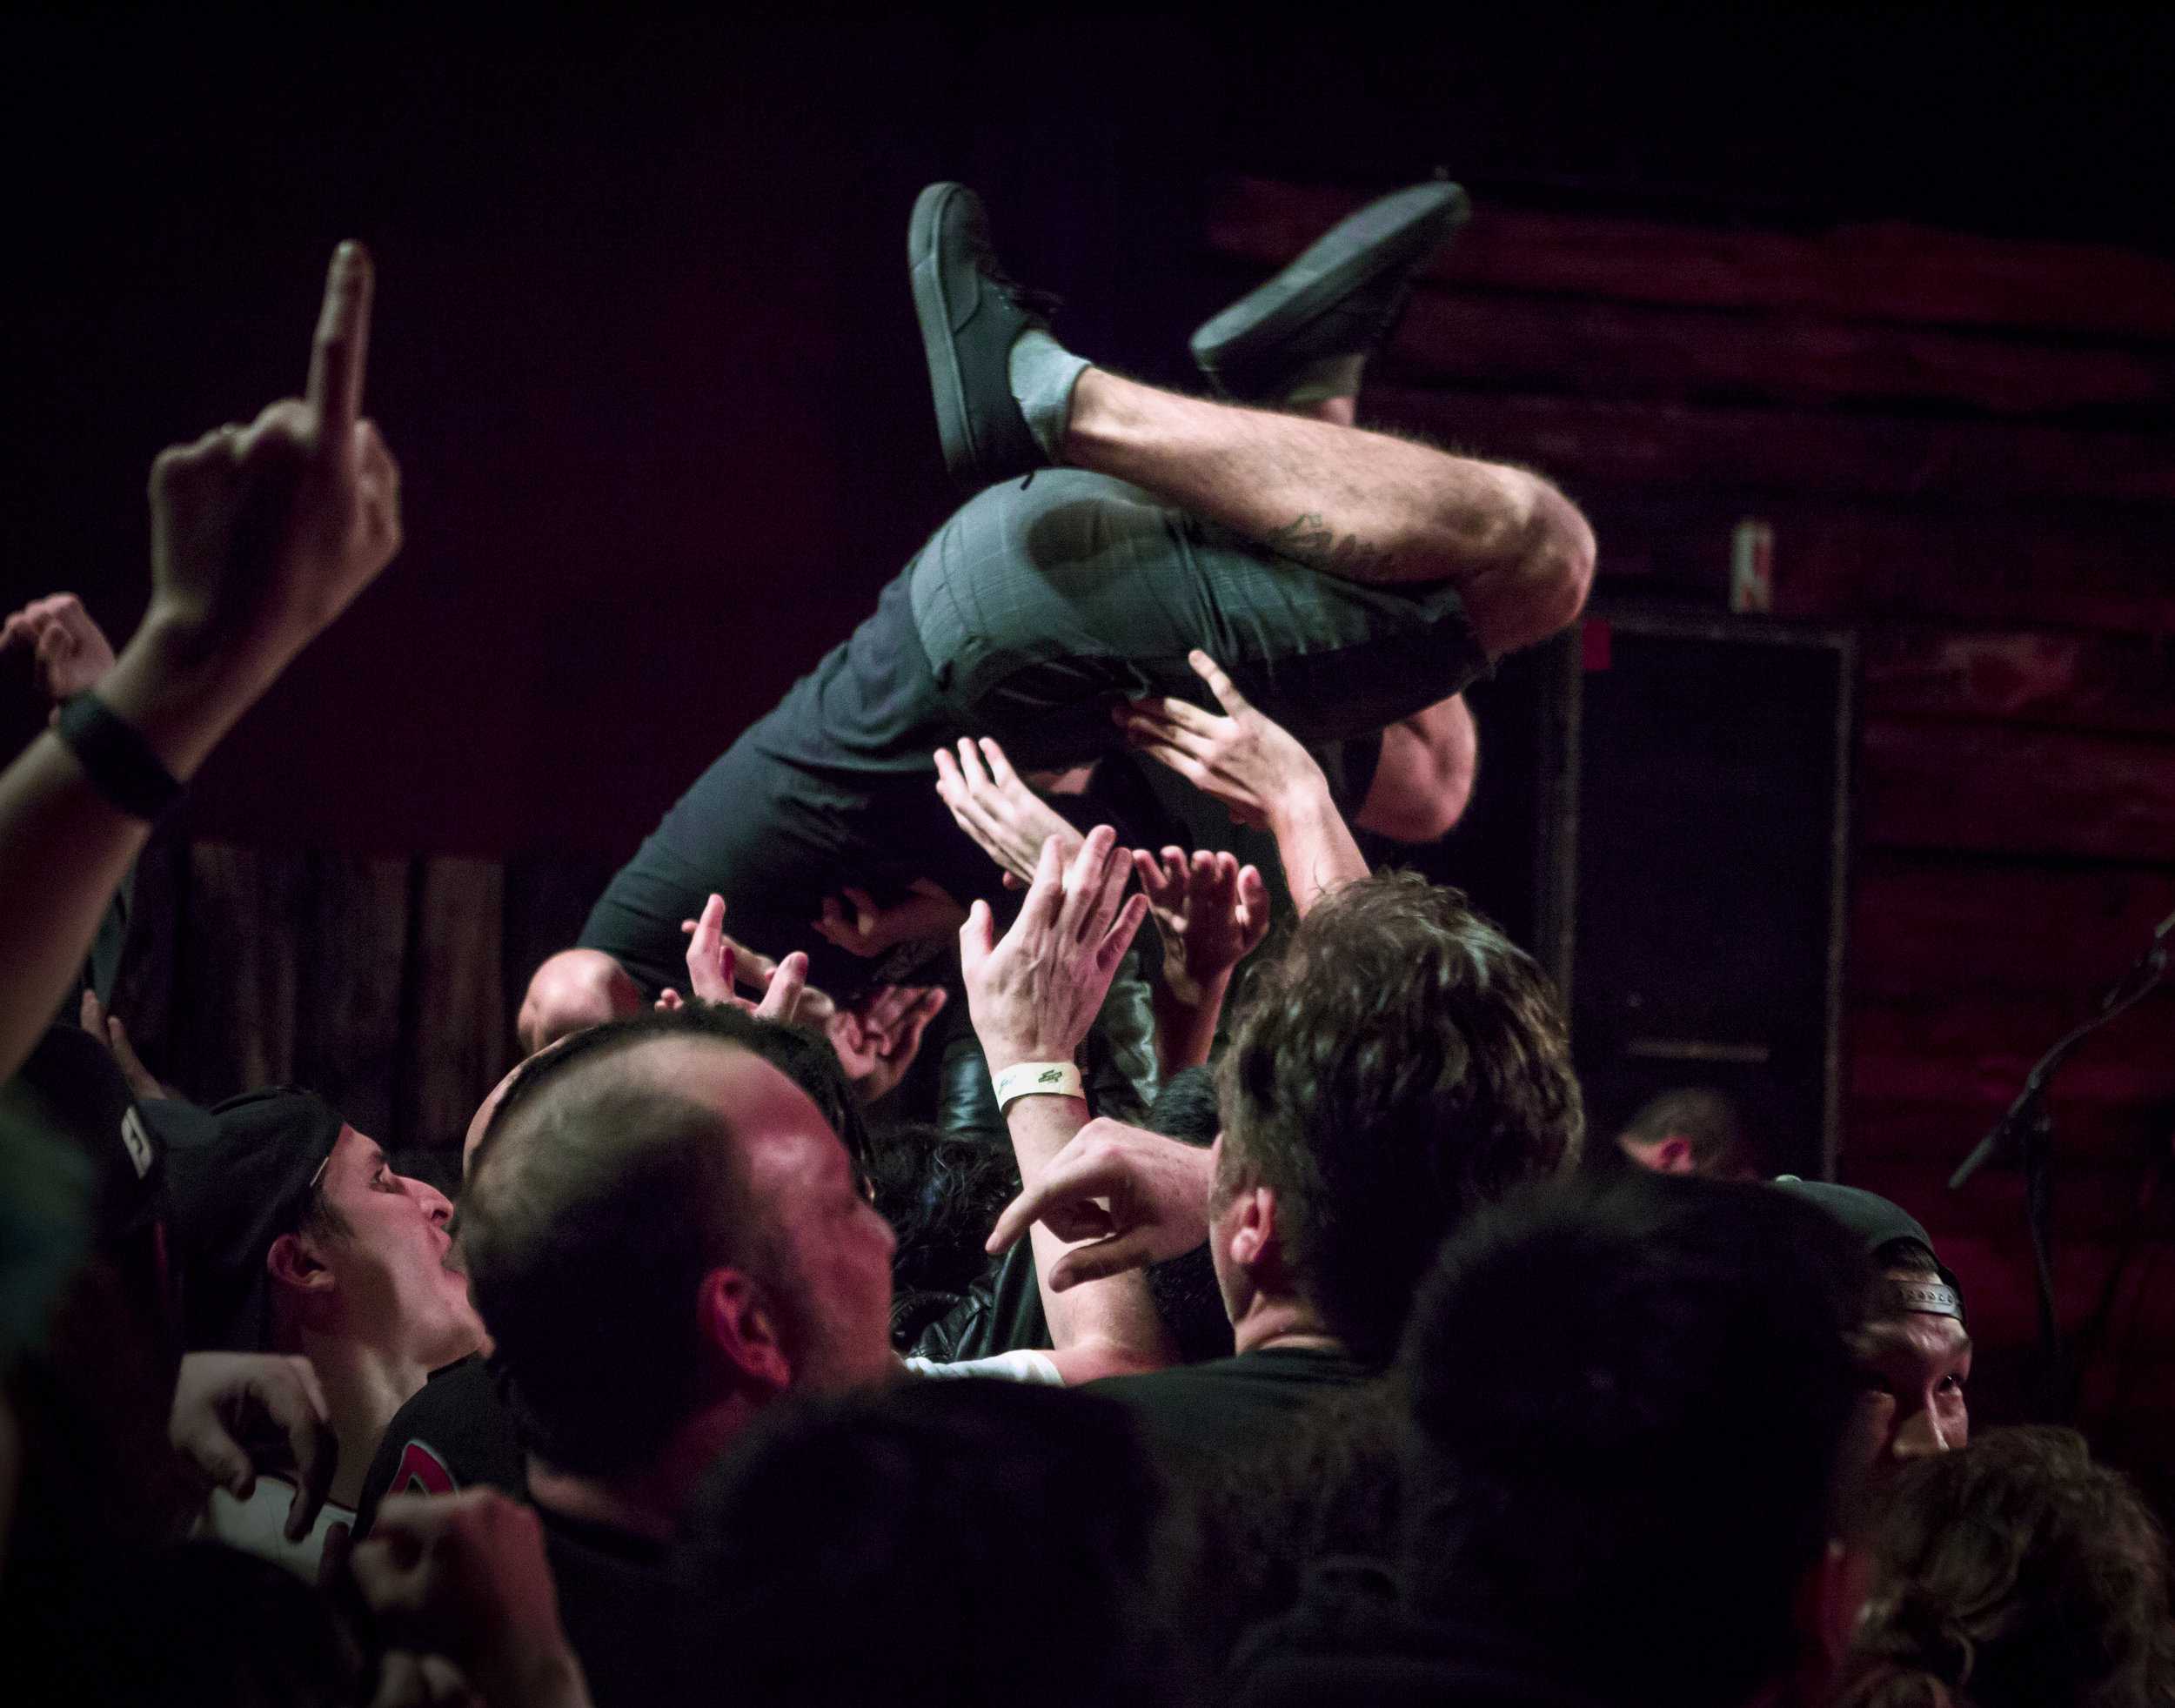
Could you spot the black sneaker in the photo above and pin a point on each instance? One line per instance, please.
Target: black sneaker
(970, 313)
(1340, 299)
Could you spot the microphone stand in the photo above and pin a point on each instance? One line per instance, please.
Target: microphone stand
(2025, 1135)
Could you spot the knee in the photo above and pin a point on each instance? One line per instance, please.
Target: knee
(1562, 559)
(1537, 582)
(573, 989)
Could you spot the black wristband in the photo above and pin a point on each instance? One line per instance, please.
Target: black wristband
(117, 758)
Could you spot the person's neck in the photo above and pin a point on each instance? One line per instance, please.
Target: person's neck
(646, 1502)
(1281, 1322)
(364, 1386)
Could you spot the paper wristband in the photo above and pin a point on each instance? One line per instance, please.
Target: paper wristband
(1036, 1079)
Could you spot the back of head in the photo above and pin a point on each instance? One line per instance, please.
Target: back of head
(600, 1197)
(1400, 1064)
(1630, 1394)
(1715, 1140)
(949, 1540)
(2015, 1572)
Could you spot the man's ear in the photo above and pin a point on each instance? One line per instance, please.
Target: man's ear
(1670, 1155)
(1253, 1244)
(740, 1324)
(293, 1263)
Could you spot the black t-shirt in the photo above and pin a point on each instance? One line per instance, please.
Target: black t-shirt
(621, 1607)
(1197, 1415)
(454, 1433)
(1351, 1639)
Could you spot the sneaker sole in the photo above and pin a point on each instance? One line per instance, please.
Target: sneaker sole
(933, 309)
(1384, 237)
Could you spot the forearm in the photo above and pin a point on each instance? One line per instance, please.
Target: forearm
(1116, 1317)
(64, 848)
(1186, 1017)
(1315, 845)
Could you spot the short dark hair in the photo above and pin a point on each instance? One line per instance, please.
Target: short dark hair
(1578, 1371)
(895, 1522)
(2019, 1573)
(1401, 1063)
(1705, 1117)
(586, 1244)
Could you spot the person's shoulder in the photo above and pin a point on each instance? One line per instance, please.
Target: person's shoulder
(1151, 1386)
(452, 1433)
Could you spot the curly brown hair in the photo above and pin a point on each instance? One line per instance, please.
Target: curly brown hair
(1399, 1064)
(2015, 1574)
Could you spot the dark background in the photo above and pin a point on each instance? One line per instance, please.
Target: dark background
(644, 345)
(645, 350)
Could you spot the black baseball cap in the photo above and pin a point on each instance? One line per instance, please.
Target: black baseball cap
(71, 1093)
(239, 1174)
(1880, 1223)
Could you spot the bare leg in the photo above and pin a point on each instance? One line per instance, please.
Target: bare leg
(1359, 505)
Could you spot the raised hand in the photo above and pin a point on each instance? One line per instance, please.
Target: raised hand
(1006, 818)
(261, 535)
(1243, 759)
(1137, 1196)
(714, 961)
(870, 929)
(465, 1577)
(108, 1030)
(1210, 911)
(877, 1039)
(69, 651)
(222, 1399)
(1033, 994)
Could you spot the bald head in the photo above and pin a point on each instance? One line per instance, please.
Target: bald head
(618, 1176)
(574, 989)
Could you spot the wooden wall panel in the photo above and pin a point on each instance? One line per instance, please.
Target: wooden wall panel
(1665, 445)
(1966, 1049)
(1922, 930)
(2118, 684)
(2013, 789)
(1908, 274)
(459, 1042)
(237, 976)
(1493, 342)
(353, 1030)
(375, 982)
(1859, 559)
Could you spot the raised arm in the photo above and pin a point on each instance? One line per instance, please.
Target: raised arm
(260, 537)
(1259, 772)
(1211, 913)
(1032, 995)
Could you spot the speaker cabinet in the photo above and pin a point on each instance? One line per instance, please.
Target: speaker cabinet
(1662, 819)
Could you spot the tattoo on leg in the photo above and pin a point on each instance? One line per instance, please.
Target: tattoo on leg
(1306, 541)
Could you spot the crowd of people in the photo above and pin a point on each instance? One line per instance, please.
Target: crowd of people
(1232, 1306)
